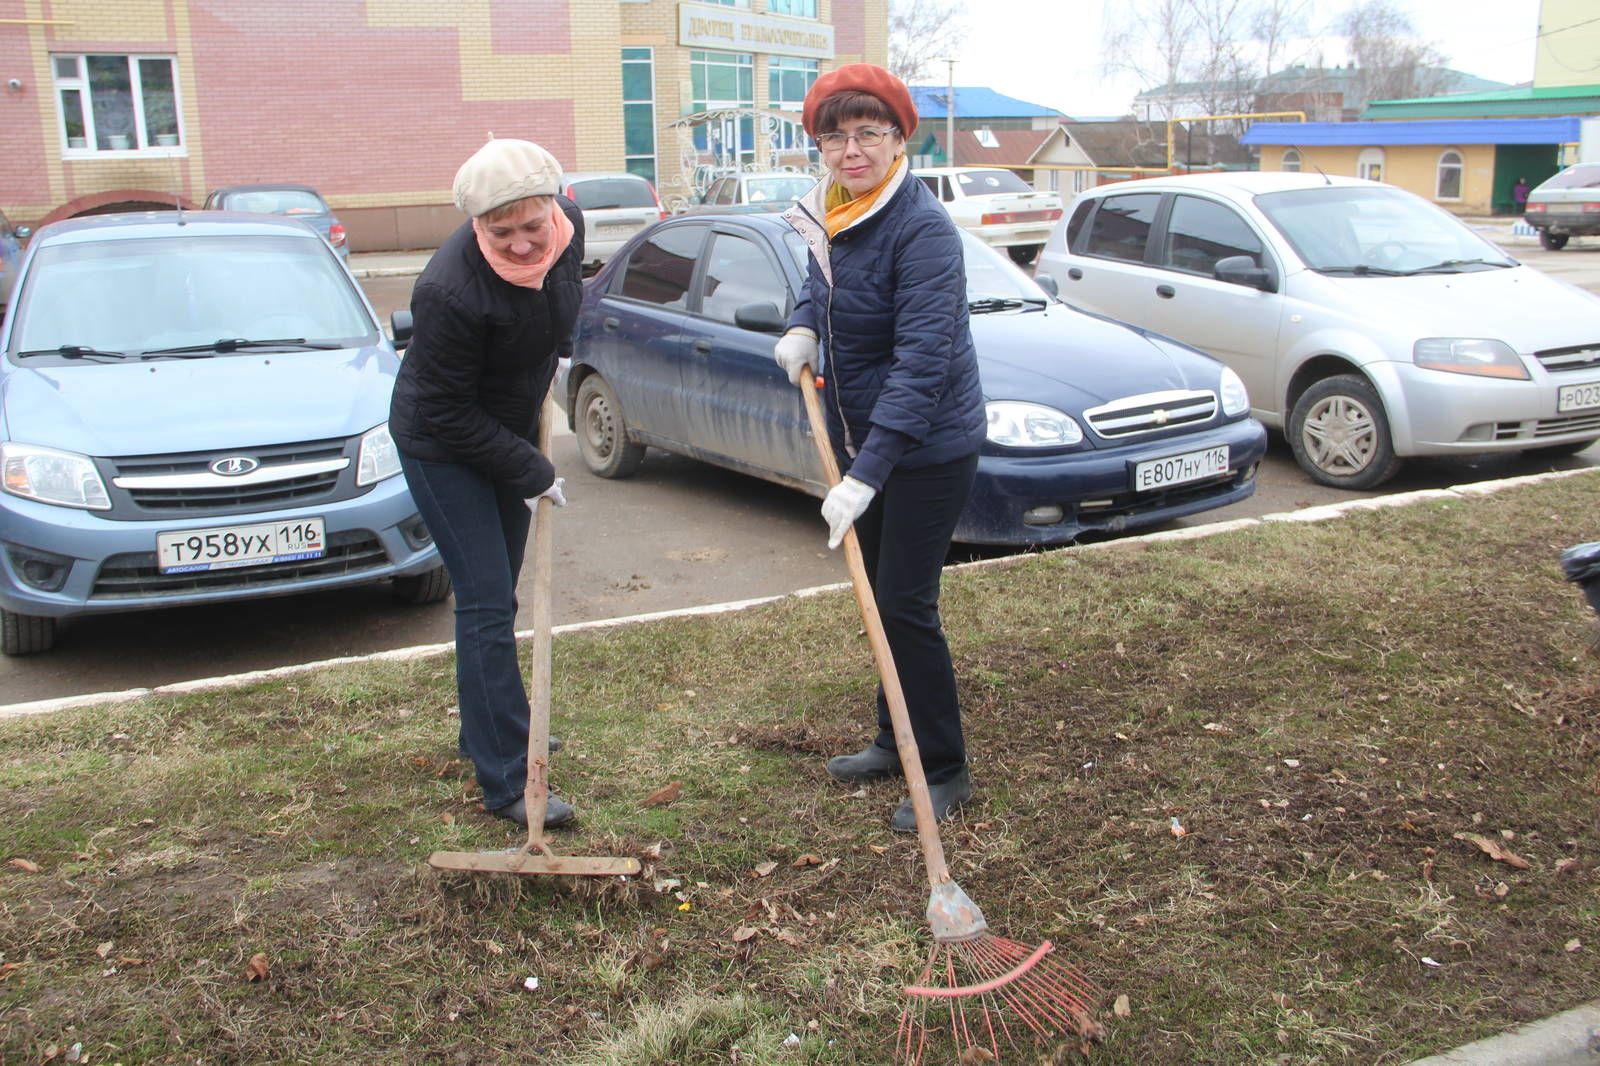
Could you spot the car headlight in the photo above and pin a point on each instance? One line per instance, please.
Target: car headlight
(65, 479)
(1235, 400)
(1469, 355)
(1015, 424)
(379, 458)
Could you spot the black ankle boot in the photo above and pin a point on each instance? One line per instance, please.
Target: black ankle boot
(947, 798)
(871, 763)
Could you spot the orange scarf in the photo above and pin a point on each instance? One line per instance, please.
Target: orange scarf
(529, 275)
(842, 210)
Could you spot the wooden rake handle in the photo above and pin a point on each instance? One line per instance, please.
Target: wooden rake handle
(905, 740)
(536, 793)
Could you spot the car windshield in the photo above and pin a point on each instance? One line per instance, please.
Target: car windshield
(984, 182)
(992, 276)
(782, 190)
(276, 202)
(1582, 176)
(140, 295)
(1359, 230)
(598, 194)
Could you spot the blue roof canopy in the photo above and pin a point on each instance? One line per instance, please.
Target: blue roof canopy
(975, 103)
(1453, 131)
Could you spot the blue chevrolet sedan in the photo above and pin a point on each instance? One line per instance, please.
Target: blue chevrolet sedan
(1093, 425)
(193, 409)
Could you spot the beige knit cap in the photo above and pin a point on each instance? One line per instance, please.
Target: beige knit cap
(502, 171)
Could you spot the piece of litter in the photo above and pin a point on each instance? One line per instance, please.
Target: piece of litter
(686, 906)
(1293, 764)
(792, 1040)
(530, 984)
(1574, 944)
(1430, 962)
(1177, 828)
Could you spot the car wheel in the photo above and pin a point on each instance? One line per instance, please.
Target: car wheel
(1553, 242)
(1023, 254)
(429, 587)
(26, 634)
(603, 432)
(1555, 451)
(1340, 434)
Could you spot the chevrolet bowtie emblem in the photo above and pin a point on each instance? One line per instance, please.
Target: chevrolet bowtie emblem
(1160, 416)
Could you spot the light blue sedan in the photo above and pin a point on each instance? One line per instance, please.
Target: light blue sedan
(192, 410)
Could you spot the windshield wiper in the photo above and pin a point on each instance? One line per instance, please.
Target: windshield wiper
(1362, 270)
(985, 304)
(234, 344)
(74, 351)
(1452, 264)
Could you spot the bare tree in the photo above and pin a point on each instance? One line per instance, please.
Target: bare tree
(1391, 61)
(921, 33)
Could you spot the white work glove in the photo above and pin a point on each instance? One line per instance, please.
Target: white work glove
(557, 497)
(795, 351)
(846, 502)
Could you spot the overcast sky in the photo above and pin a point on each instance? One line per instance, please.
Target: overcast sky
(1050, 52)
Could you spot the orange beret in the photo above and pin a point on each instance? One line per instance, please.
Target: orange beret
(866, 78)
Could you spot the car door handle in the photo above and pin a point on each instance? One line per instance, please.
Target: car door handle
(1075, 274)
(1166, 292)
(613, 323)
(701, 347)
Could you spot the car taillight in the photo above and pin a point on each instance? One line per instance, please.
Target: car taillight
(1002, 218)
(1534, 208)
(1591, 207)
(336, 235)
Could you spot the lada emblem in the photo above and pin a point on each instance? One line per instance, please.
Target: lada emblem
(234, 465)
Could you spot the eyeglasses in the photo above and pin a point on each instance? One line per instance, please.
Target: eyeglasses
(866, 138)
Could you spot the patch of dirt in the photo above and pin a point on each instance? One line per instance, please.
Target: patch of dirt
(794, 737)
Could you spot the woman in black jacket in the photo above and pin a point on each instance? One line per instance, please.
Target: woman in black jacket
(493, 310)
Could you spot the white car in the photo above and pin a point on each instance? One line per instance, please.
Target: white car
(1367, 324)
(615, 206)
(996, 206)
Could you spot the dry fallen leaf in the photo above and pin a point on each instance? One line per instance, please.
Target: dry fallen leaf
(8, 968)
(1495, 850)
(1122, 1008)
(743, 933)
(975, 1056)
(808, 860)
(764, 869)
(105, 948)
(664, 795)
(25, 865)
(1566, 866)
(257, 970)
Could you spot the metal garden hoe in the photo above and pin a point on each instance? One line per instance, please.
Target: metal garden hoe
(976, 985)
(535, 856)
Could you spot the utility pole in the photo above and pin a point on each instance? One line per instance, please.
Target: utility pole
(950, 113)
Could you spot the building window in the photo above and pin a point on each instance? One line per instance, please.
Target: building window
(727, 3)
(806, 9)
(1291, 162)
(117, 103)
(788, 80)
(723, 81)
(1450, 175)
(1369, 164)
(639, 112)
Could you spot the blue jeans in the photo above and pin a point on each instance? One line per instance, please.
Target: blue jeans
(481, 529)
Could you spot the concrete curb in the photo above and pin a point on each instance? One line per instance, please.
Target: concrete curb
(1571, 1038)
(361, 273)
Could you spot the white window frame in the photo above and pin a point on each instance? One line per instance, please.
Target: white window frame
(790, 14)
(1459, 166)
(1369, 158)
(655, 140)
(1292, 161)
(80, 83)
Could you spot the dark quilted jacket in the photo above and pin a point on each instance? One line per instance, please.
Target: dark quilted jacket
(901, 372)
(482, 356)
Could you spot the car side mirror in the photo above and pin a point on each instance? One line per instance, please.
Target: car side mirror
(400, 324)
(762, 317)
(23, 232)
(1047, 282)
(1242, 270)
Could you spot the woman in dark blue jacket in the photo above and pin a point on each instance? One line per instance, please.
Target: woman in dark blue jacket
(884, 320)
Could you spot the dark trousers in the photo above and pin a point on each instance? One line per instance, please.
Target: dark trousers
(481, 529)
(905, 535)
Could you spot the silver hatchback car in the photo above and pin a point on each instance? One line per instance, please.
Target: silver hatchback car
(1367, 324)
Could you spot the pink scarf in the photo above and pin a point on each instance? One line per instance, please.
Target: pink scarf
(530, 275)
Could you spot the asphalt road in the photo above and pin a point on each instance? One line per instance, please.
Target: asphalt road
(677, 534)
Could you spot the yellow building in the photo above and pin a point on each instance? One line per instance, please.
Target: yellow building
(1568, 46)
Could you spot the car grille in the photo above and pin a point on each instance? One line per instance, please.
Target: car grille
(1153, 412)
(1548, 427)
(183, 485)
(1561, 360)
(135, 574)
(1111, 513)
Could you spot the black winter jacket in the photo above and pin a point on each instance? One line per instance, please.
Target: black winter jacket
(481, 358)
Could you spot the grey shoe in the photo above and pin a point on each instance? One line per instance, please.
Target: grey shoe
(555, 746)
(557, 812)
(947, 800)
(871, 763)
